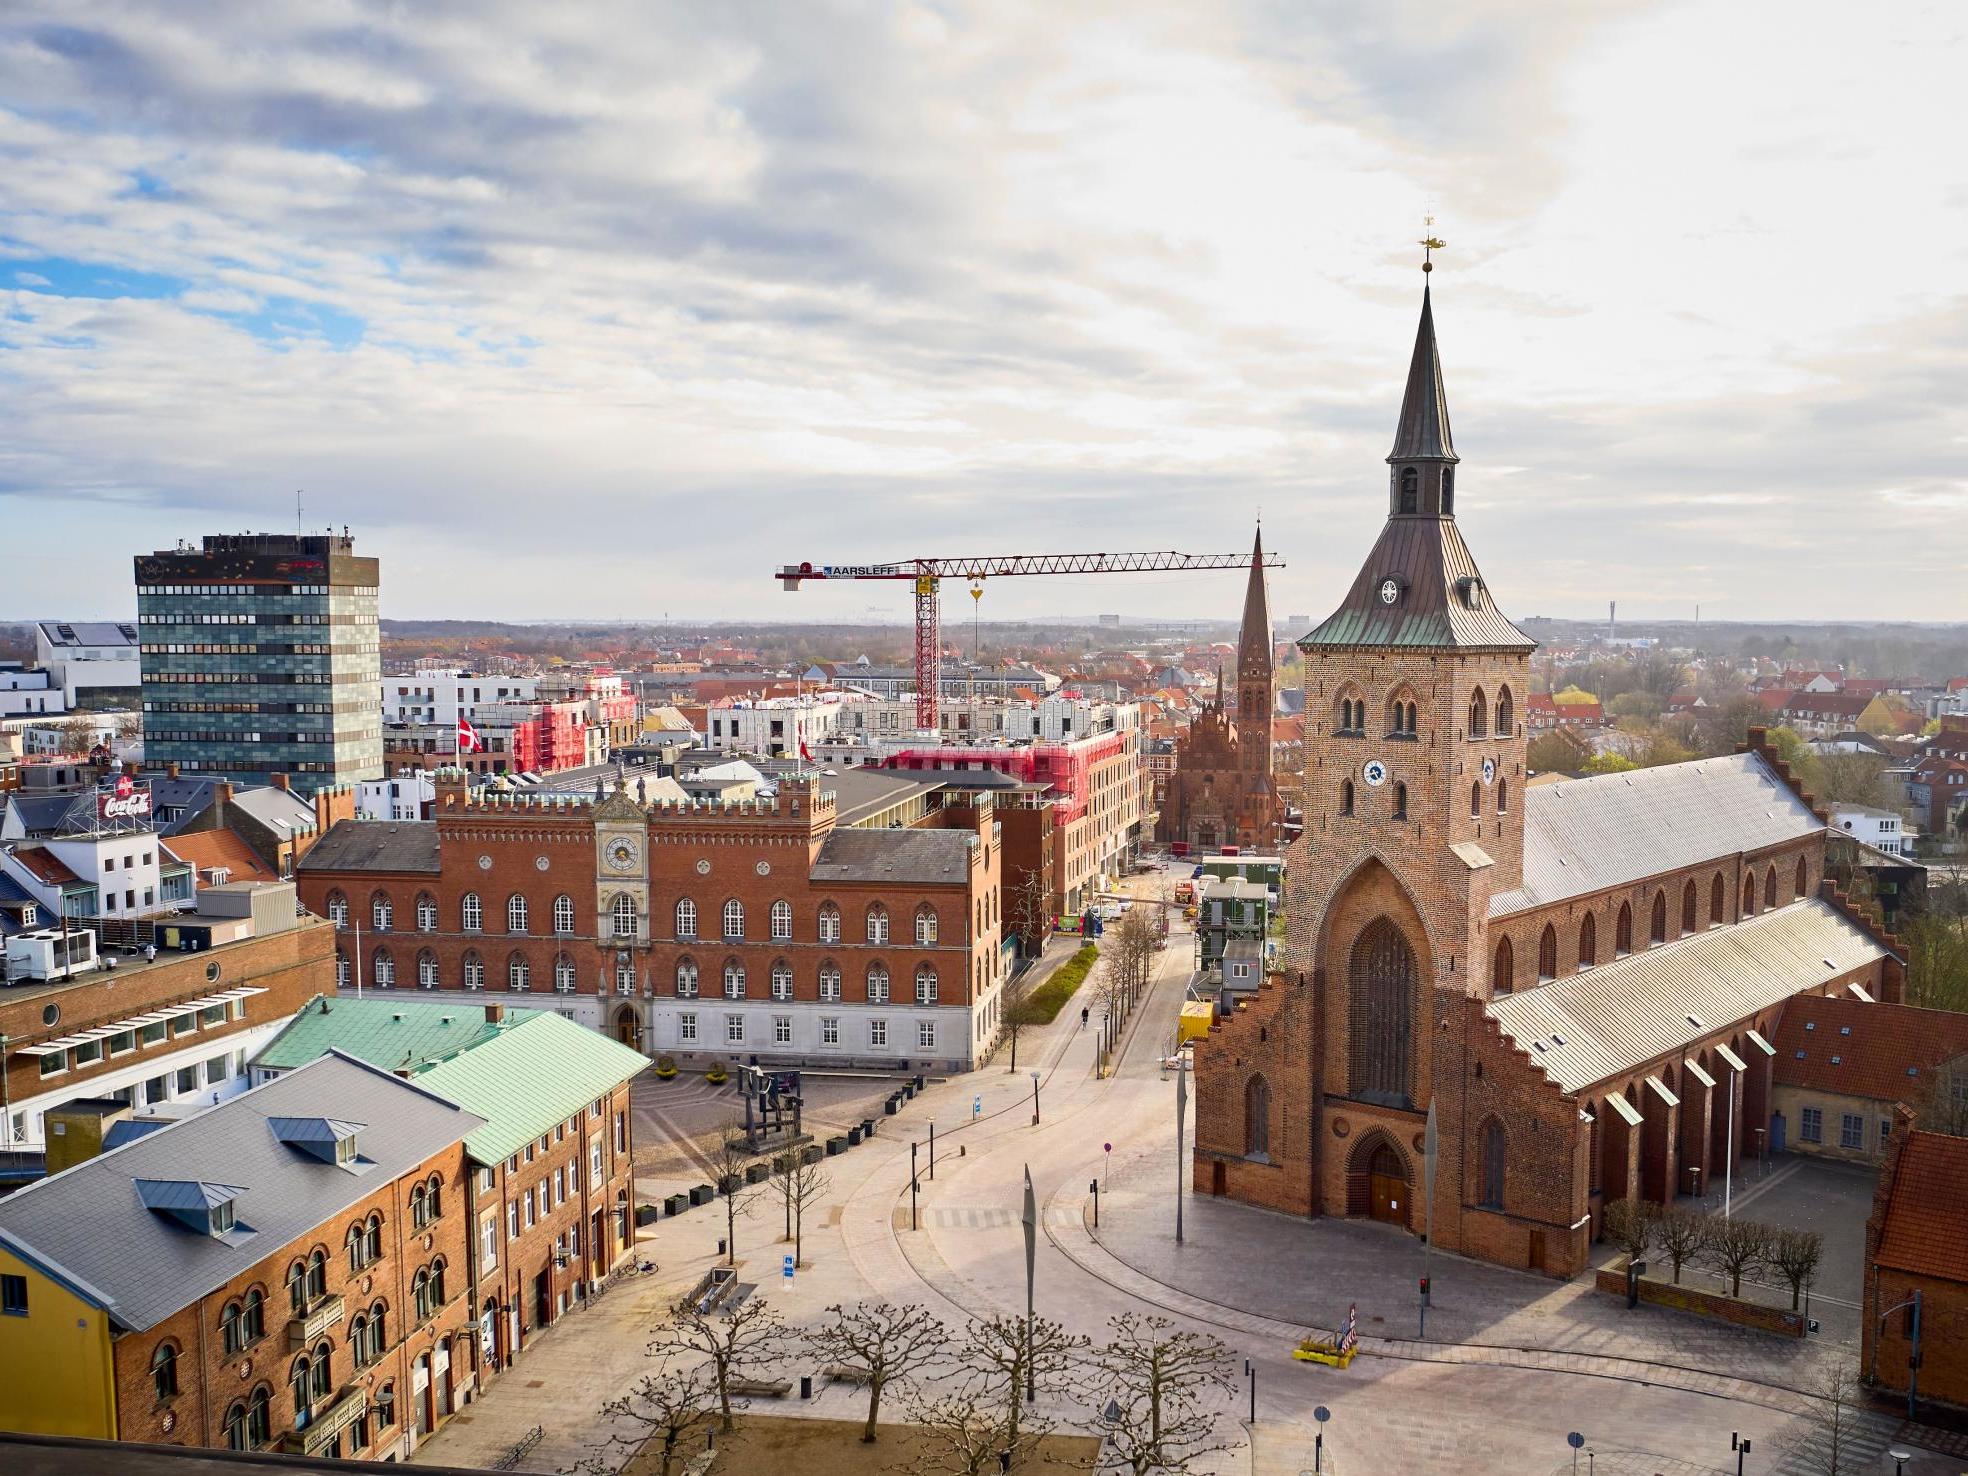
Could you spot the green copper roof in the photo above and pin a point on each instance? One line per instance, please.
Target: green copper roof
(529, 1078)
(523, 1075)
(394, 1033)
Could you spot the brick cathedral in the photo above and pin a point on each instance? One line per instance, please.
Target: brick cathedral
(1222, 792)
(1582, 977)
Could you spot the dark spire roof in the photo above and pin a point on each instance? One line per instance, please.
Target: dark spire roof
(1254, 639)
(1423, 432)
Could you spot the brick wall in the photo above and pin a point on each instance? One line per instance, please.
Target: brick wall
(210, 1380)
(1611, 1280)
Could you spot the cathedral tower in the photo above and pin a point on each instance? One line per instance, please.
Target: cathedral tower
(1254, 690)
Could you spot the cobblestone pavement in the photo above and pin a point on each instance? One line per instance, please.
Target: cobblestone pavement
(1511, 1362)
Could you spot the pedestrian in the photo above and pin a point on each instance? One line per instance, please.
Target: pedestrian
(150, 953)
(1083, 1017)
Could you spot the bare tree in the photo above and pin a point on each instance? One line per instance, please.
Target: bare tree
(77, 736)
(1827, 1447)
(963, 1431)
(884, 1341)
(799, 1185)
(1030, 906)
(1943, 1105)
(1161, 1385)
(751, 1335)
(1680, 1233)
(1794, 1255)
(1006, 1357)
(661, 1409)
(1735, 1248)
(729, 1160)
(1019, 1012)
(1629, 1224)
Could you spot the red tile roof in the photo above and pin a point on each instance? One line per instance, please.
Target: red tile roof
(208, 849)
(46, 865)
(1828, 704)
(1929, 1205)
(1882, 1051)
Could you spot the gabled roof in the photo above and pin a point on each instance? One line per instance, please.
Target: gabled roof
(1620, 1015)
(393, 1033)
(87, 1226)
(1926, 1209)
(46, 865)
(209, 850)
(1861, 1048)
(280, 810)
(375, 845)
(525, 1080)
(1585, 835)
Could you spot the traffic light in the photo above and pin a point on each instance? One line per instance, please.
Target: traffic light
(1424, 1286)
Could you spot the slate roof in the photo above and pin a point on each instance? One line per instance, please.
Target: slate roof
(1620, 1015)
(858, 792)
(280, 810)
(1585, 835)
(394, 1034)
(1927, 1207)
(523, 1075)
(87, 1226)
(1860, 1049)
(375, 845)
(1423, 430)
(209, 849)
(919, 857)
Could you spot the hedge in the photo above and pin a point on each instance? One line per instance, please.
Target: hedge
(1044, 1003)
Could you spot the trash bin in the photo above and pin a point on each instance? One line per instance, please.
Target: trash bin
(854, 1136)
(806, 1386)
(867, 1127)
(836, 1146)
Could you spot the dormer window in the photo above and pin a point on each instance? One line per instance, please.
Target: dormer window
(206, 1209)
(324, 1138)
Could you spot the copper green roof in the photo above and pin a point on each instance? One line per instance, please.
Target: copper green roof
(523, 1074)
(385, 1030)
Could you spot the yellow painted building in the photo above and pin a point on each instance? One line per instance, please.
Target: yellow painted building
(59, 1370)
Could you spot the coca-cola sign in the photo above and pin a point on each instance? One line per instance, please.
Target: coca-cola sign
(125, 802)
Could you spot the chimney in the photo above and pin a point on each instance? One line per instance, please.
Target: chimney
(221, 792)
(495, 1014)
(171, 769)
(280, 781)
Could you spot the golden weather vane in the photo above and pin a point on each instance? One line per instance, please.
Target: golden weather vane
(1430, 243)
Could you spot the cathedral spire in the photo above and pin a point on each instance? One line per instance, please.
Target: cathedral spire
(1254, 637)
(1423, 431)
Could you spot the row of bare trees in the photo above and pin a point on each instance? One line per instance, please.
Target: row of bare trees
(1729, 1248)
(797, 1184)
(982, 1398)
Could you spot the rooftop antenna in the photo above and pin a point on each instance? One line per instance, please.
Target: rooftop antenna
(300, 528)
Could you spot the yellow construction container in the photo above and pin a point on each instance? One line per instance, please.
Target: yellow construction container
(1197, 1017)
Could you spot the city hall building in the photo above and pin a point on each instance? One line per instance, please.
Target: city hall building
(1582, 978)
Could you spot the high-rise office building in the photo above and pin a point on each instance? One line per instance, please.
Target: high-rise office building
(260, 656)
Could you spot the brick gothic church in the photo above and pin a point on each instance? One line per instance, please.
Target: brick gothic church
(1222, 792)
(1583, 977)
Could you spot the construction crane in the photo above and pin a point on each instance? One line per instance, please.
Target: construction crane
(927, 575)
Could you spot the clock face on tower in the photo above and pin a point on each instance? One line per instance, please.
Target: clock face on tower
(1390, 591)
(1489, 771)
(621, 854)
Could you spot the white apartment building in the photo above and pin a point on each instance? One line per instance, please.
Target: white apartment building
(30, 694)
(407, 795)
(774, 727)
(88, 656)
(1883, 830)
(442, 696)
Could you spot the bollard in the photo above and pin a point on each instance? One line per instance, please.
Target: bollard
(806, 1386)
(720, 1246)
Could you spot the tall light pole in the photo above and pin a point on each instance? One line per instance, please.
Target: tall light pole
(1729, 1153)
(1031, 1220)
(1181, 1110)
(1035, 1100)
(932, 1150)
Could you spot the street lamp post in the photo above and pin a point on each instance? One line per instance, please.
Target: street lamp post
(912, 1186)
(932, 1150)
(1250, 1372)
(1035, 1099)
(1739, 1443)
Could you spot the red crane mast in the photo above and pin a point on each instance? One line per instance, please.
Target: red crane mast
(927, 576)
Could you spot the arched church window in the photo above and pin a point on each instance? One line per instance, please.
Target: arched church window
(1548, 953)
(1718, 901)
(1410, 489)
(1506, 714)
(1400, 801)
(1623, 931)
(1657, 930)
(1479, 714)
(1503, 966)
(1690, 907)
(1803, 876)
(1257, 1118)
(1588, 941)
(1346, 796)
(1475, 798)
(1749, 894)
(1503, 795)
(1491, 1195)
(1381, 986)
(1770, 886)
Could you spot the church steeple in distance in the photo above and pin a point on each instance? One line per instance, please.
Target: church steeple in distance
(1421, 479)
(1254, 692)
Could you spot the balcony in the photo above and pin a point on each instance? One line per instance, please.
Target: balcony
(326, 1421)
(303, 1330)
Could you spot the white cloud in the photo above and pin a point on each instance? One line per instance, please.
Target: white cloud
(652, 298)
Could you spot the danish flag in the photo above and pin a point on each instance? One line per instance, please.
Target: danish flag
(468, 739)
(805, 752)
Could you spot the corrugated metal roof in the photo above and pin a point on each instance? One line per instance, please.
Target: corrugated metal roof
(1602, 1023)
(526, 1080)
(88, 1225)
(1584, 835)
(394, 1033)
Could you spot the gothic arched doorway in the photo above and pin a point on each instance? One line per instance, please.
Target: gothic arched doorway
(628, 1029)
(1206, 836)
(1387, 1186)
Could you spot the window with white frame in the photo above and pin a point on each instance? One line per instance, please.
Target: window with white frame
(925, 985)
(515, 914)
(830, 923)
(338, 909)
(564, 974)
(686, 1027)
(1851, 1130)
(926, 1035)
(782, 921)
(474, 971)
(624, 977)
(782, 1029)
(381, 913)
(427, 970)
(878, 1032)
(877, 924)
(518, 973)
(385, 969)
(426, 913)
(686, 918)
(925, 925)
(830, 980)
(563, 915)
(1811, 1128)
(471, 913)
(734, 1029)
(625, 916)
(830, 1030)
(877, 984)
(686, 978)
(734, 979)
(734, 919)
(782, 979)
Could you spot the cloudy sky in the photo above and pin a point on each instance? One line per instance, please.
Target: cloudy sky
(605, 310)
